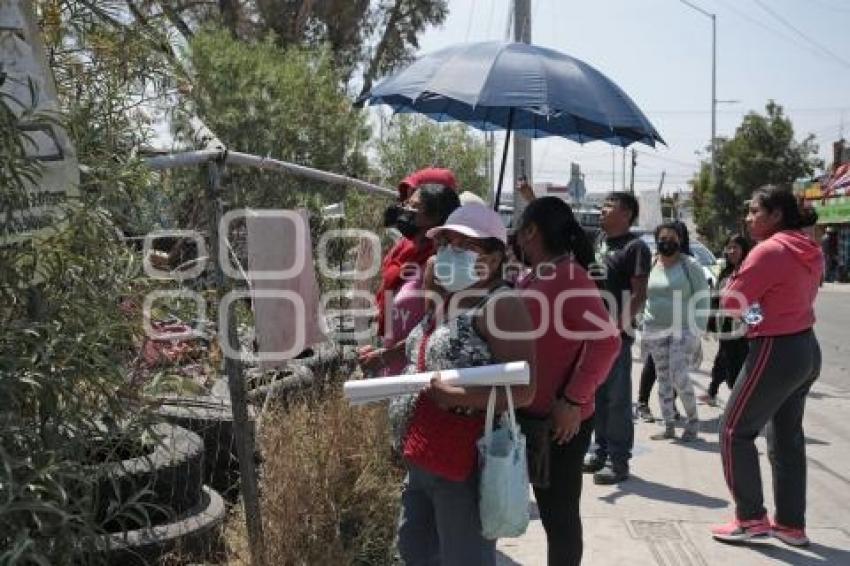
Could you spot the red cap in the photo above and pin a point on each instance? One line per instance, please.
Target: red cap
(425, 176)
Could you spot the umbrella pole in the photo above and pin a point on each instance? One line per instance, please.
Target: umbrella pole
(504, 160)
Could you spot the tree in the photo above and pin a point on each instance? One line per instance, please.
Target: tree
(286, 103)
(762, 151)
(359, 33)
(414, 142)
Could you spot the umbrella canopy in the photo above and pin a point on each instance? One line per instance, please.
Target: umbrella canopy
(532, 90)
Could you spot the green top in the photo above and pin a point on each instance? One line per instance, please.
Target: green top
(669, 294)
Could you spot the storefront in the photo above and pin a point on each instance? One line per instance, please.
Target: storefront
(834, 213)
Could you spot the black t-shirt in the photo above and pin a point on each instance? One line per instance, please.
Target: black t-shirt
(623, 258)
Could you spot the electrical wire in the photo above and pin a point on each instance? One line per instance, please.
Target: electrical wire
(831, 7)
(802, 35)
(469, 23)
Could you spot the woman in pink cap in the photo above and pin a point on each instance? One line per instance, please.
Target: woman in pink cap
(480, 321)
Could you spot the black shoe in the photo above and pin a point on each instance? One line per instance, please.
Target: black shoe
(610, 475)
(644, 413)
(592, 464)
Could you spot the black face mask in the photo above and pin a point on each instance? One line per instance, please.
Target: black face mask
(406, 223)
(668, 248)
(391, 215)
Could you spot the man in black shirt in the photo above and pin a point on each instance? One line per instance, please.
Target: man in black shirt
(623, 265)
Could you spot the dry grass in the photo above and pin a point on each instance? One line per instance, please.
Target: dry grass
(330, 489)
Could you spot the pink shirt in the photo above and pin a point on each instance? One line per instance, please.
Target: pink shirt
(580, 342)
(782, 275)
(407, 310)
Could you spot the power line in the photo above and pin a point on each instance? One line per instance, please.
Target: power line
(764, 26)
(668, 159)
(490, 21)
(834, 8)
(802, 35)
(812, 109)
(469, 24)
(785, 36)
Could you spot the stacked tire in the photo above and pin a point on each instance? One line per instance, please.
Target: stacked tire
(184, 515)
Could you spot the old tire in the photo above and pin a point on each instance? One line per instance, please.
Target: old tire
(171, 474)
(195, 533)
(281, 385)
(210, 418)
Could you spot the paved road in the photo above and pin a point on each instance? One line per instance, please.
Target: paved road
(833, 330)
(661, 516)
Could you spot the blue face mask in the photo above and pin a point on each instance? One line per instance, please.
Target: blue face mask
(455, 268)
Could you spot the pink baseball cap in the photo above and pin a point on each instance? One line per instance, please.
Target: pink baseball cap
(474, 220)
(433, 175)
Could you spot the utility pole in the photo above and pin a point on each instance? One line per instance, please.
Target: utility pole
(613, 168)
(624, 170)
(713, 86)
(634, 164)
(522, 145)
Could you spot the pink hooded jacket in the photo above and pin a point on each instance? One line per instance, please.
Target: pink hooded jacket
(782, 275)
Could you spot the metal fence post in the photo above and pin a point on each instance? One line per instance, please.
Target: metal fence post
(235, 380)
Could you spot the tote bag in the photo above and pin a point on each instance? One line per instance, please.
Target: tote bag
(503, 488)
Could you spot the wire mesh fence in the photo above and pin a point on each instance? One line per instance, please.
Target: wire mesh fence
(183, 379)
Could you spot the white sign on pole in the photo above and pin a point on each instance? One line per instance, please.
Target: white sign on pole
(28, 89)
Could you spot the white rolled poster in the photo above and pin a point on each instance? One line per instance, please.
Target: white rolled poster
(363, 391)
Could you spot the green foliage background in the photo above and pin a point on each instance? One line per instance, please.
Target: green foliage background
(762, 151)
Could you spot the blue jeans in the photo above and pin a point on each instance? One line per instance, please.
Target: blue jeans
(440, 523)
(614, 430)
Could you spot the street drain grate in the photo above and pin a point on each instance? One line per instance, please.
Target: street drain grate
(668, 545)
(655, 530)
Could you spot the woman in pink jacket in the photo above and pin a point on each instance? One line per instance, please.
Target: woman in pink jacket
(577, 344)
(774, 292)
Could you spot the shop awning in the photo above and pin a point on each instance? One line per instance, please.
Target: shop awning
(833, 210)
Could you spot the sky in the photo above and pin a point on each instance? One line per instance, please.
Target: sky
(659, 52)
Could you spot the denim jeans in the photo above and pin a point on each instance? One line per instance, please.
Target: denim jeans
(440, 523)
(614, 429)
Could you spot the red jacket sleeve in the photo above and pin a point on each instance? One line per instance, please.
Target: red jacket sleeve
(751, 282)
(584, 313)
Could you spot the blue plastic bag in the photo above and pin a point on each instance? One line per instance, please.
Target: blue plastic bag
(503, 489)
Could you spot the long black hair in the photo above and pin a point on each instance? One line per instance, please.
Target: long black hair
(745, 244)
(559, 229)
(794, 215)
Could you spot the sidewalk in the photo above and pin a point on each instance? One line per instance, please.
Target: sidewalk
(661, 515)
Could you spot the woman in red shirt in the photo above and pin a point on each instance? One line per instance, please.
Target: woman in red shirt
(579, 342)
(774, 293)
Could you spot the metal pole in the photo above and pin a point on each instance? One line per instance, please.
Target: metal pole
(199, 157)
(613, 168)
(713, 85)
(632, 181)
(504, 160)
(713, 100)
(523, 164)
(235, 382)
(624, 169)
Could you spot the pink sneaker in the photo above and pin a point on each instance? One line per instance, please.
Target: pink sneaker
(740, 531)
(789, 535)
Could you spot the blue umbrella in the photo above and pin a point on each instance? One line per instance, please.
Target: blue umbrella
(532, 90)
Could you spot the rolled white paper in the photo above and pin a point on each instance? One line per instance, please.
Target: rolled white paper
(364, 391)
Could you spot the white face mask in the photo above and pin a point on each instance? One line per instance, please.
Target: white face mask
(455, 268)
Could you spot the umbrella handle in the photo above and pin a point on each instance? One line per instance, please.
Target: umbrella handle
(504, 160)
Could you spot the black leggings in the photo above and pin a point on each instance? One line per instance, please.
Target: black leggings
(559, 504)
(647, 380)
(771, 390)
(728, 363)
